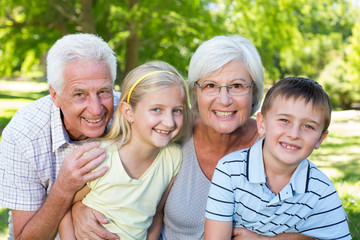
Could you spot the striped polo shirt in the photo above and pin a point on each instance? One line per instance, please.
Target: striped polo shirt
(308, 204)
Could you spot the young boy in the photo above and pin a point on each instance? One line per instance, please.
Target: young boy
(271, 188)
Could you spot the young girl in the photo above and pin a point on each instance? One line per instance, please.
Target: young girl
(153, 111)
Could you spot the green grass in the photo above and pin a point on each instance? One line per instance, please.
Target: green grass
(338, 156)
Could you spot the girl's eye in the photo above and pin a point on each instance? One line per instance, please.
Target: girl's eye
(178, 111)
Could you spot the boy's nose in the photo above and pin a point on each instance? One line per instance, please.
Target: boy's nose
(294, 132)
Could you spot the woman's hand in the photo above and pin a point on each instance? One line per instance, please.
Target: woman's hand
(87, 223)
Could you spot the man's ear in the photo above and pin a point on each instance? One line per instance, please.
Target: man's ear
(260, 120)
(127, 112)
(54, 96)
(321, 139)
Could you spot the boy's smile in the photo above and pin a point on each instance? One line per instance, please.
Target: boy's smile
(292, 128)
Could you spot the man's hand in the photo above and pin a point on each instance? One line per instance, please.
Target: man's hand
(77, 167)
(74, 173)
(87, 223)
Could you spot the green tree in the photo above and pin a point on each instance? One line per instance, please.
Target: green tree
(138, 31)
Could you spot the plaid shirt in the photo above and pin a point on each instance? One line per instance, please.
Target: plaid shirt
(32, 149)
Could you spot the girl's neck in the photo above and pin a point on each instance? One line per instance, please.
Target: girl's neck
(136, 159)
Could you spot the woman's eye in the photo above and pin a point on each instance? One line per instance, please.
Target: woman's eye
(237, 85)
(210, 85)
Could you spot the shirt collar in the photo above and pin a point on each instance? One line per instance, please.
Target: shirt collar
(59, 135)
(256, 170)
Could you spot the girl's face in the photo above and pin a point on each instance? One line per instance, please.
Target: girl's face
(158, 117)
(223, 112)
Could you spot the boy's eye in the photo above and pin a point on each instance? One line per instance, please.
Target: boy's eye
(155, 109)
(309, 126)
(284, 120)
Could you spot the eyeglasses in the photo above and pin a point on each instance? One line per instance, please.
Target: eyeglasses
(235, 89)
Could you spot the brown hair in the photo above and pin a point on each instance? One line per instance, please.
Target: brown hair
(299, 87)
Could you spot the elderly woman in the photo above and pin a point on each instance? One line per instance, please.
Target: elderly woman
(226, 89)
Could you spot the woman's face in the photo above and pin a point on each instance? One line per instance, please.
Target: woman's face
(225, 112)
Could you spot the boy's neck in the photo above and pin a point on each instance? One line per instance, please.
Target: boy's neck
(277, 176)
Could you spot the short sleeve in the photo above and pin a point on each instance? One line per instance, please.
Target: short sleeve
(220, 202)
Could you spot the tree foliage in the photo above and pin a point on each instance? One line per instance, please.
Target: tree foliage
(294, 37)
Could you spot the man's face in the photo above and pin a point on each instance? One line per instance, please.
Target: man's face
(87, 99)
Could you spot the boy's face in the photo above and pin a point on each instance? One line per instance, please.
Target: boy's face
(292, 129)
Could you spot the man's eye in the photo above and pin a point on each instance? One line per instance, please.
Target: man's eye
(105, 94)
(78, 95)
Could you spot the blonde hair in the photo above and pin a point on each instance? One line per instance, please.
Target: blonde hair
(120, 130)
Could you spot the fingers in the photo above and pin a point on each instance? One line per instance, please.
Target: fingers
(86, 223)
(95, 174)
(84, 148)
(90, 160)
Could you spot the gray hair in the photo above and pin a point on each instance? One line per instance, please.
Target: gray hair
(214, 54)
(73, 48)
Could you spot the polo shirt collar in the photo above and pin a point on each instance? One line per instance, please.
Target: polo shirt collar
(256, 170)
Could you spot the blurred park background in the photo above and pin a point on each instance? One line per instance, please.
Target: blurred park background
(319, 39)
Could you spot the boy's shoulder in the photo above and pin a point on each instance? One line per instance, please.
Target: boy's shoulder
(319, 182)
(239, 155)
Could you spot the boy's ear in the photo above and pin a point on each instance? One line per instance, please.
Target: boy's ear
(260, 120)
(321, 139)
(126, 110)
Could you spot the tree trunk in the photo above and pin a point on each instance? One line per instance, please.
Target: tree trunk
(87, 18)
(132, 43)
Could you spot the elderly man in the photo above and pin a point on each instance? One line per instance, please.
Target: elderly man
(41, 162)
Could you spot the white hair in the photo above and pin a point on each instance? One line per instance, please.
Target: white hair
(73, 48)
(214, 54)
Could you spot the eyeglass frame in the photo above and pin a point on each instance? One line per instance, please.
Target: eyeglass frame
(228, 87)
